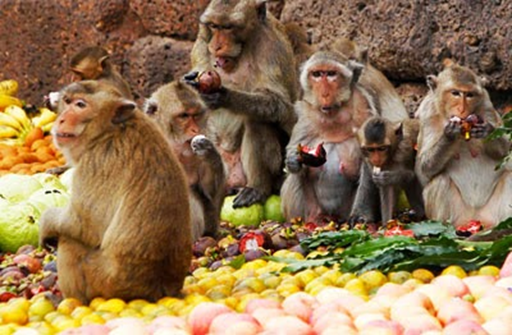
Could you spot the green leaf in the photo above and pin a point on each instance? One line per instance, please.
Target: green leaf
(334, 239)
(237, 262)
(309, 263)
(378, 244)
(431, 228)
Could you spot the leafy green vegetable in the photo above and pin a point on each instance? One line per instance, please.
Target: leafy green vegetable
(436, 246)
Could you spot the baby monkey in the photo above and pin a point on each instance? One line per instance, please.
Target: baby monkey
(389, 155)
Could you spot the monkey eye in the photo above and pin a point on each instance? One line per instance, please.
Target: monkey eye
(470, 95)
(183, 116)
(80, 104)
(455, 93)
(67, 100)
(368, 150)
(212, 26)
(316, 74)
(331, 73)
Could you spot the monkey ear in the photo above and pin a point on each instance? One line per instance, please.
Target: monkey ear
(261, 7)
(125, 110)
(102, 62)
(357, 69)
(399, 130)
(432, 82)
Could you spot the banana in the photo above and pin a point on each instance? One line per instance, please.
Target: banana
(8, 132)
(9, 87)
(10, 121)
(47, 127)
(46, 116)
(19, 114)
(7, 100)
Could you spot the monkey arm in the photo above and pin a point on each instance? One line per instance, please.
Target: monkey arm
(300, 135)
(437, 147)
(365, 205)
(264, 105)
(393, 177)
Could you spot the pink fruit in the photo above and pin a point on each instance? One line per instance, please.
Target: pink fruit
(458, 309)
(491, 306)
(344, 297)
(464, 327)
(235, 324)
(420, 324)
(506, 269)
(370, 307)
(289, 325)
(300, 304)
(437, 294)
(387, 327)
(254, 304)
(264, 315)
(332, 306)
(331, 319)
(203, 314)
(455, 286)
(87, 330)
(479, 285)
(168, 322)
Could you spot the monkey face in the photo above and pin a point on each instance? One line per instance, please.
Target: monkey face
(325, 84)
(377, 155)
(460, 101)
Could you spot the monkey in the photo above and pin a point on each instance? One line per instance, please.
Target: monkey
(252, 112)
(335, 104)
(457, 166)
(126, 232)
(300, 41)
(182, 115)
(388, 150)
(93, 63)
(90, 63)
(389, 102)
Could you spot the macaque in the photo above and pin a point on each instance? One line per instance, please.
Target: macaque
(333, 107)
(252, 112)
(93, 63)
(182, 115)
(459, 175)
(388, 100)
(126, 232)
(389, 155)
(300, 41)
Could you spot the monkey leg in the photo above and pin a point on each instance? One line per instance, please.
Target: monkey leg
(444, 202)
(499, 206)
(297, 199)
(262, 161)
(70, 258)
(198, 218)
(387, 202)
(413, 191)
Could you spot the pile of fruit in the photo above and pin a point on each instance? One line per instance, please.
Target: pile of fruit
(25, 146)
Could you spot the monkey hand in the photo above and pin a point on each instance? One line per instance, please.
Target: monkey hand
(191, 78)
(201, 145)
(48, 235)
(293, 164)
(248, 196)
(453, 128)
(215, 99)
(481, 130)
(354, 219)
(385, 178)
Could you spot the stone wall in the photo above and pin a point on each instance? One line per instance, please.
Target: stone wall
(150, 40)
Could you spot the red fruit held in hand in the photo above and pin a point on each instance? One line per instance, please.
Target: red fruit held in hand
(313, 157)
(209, 82)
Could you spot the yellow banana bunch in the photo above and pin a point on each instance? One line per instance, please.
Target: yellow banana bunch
(20, 115)
(9, 87)
(7, 100)
(10, 121)
(45, 118)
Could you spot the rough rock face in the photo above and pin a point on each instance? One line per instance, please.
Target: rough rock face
(150, 40)
(409, 39)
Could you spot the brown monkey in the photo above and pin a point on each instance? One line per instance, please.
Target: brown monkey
(94, 63)
(389, 154)
(300, 41)
(388, 101)
(127, 232)
(182, 115)
(457, 165)
(333, 107)
(252, 112)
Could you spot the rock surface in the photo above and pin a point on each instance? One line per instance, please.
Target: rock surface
(150, 40)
